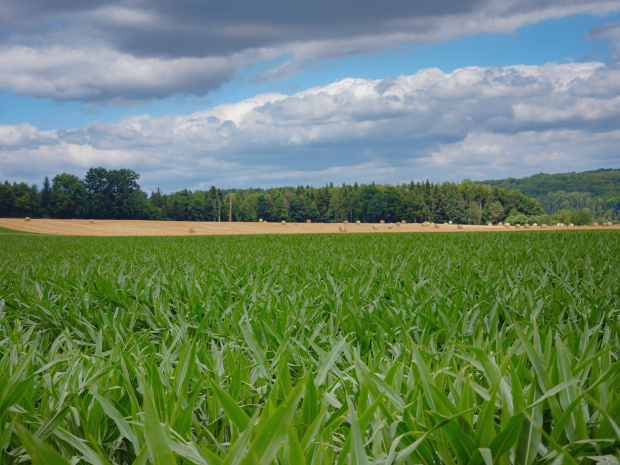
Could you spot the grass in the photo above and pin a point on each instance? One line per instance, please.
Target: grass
(14, 232)
(387, 349)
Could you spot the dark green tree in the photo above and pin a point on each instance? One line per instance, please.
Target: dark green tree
(68, 198)
(496, 210)
(458, 213)
(414, 208)
(438, 205)
(7, 200)
(295, 212)
(46, 192)
(581, 218)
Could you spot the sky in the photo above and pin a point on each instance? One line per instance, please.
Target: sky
(278, 93)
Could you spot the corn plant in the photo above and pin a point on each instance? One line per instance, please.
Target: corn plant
(474, 349)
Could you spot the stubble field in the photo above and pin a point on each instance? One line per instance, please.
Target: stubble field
(182, 228)
(471, 348)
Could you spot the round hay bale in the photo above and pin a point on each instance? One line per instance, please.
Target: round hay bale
(91, 221)
(375, 227)
(543, 225)
(460, 226)
(517, 225)
(500, 223)
(595, 224)
(490, 224)
(382, 221)
(191, 231)
(436, 225)
(345, 222)
(527, 226)
(390, 226)
(397, 224)
(342, 229)
(404, 222)
(308, 221)
(260, 221)
(449, 222)
(506, 225)
(358, 222)
(571, 225)
(535, 224)
(283, 222)
(27, 218)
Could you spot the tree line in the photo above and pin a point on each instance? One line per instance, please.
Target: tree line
(598, 192)
(116, 194)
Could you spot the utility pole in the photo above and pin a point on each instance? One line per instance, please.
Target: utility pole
(230, 211)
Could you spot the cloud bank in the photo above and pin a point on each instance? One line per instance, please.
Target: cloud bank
(474, 122)
(134, 50)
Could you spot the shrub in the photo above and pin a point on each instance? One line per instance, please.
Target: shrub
(581, 218)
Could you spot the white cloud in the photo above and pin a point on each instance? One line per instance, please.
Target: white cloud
(100, 74)
(477, 122)
(126, 51)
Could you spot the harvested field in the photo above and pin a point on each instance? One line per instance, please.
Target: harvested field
(181, 228)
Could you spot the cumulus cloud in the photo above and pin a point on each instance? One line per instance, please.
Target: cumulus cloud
(115, 50)
(476, 122)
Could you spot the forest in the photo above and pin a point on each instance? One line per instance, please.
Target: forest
(597, 191)
(116, 194)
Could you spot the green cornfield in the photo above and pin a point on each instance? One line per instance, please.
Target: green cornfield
(473, 348)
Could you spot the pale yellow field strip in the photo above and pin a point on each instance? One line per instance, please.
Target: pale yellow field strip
(182, 228)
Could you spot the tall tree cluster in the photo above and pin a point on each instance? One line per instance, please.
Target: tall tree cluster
(116, 194)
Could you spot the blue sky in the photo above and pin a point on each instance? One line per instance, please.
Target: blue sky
(185, 115)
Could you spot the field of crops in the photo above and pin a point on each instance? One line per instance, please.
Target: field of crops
(472, 348)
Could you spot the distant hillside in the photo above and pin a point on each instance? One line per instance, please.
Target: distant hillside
(597, 190)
